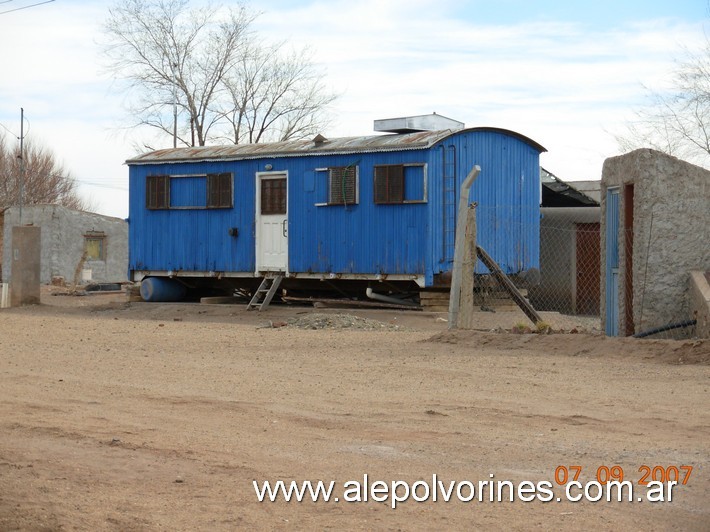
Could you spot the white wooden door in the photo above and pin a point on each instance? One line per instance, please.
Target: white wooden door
(272, 223)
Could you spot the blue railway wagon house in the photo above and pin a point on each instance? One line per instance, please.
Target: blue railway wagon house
(358, 209)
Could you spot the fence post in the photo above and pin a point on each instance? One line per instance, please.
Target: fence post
(465, 320)
(462, 213)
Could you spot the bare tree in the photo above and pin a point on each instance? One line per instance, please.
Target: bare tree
(44, 179)
(677, 121)
(275, 96)
(226, 84)
(171, 55)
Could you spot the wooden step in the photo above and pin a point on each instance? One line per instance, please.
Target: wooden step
(495, 298)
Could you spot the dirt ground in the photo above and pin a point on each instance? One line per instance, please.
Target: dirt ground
(138, 416)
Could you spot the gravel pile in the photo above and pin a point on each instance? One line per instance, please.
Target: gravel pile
(340, 321)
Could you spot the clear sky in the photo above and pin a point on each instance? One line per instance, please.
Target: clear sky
(566, 74)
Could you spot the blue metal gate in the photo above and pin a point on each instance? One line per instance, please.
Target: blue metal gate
(612, 262)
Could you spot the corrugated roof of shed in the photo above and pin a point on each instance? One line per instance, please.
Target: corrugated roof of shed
(304, 147)
(568, 189)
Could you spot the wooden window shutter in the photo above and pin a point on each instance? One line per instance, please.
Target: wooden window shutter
(389, 184)
(157, 192)
(219, 190)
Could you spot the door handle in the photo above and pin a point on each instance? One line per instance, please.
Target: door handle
(284, 228)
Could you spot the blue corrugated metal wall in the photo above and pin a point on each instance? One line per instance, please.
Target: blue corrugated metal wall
(507, 192)
(191, 239)
(413, 238)
(362, 238)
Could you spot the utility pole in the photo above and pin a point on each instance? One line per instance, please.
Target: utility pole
(22, 159)
(174, 107)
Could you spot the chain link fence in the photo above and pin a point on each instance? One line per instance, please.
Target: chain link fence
(602, 287)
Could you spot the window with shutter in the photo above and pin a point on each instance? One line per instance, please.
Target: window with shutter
(219, 191)
(342, 185)
(389, 183)
(400, 183)
(157, 192)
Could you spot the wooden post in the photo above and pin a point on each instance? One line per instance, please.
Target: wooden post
(508, 285)
(469, 263)
(461, 215)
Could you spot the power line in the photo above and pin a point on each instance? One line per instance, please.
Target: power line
(24, 7)
(3, 125)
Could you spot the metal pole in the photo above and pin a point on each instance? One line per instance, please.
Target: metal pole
(22, 160)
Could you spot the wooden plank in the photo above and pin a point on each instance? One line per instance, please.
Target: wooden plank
(221, 300)
(345, 303)
(506, 283)
(497, 302)
(498, 293)
(434, 295)
(439, 297)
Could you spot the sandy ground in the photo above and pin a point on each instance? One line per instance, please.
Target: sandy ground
(149, 416)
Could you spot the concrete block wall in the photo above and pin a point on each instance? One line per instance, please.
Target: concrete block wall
(62, 244)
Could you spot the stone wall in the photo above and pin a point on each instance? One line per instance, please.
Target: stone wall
(671, 234)
(63, 240)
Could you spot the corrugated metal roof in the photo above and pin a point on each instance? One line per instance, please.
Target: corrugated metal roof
(590, 188)
(554, 184)
(299, 148)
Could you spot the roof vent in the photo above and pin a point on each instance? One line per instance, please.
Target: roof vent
(412, 124)
(320, 139)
